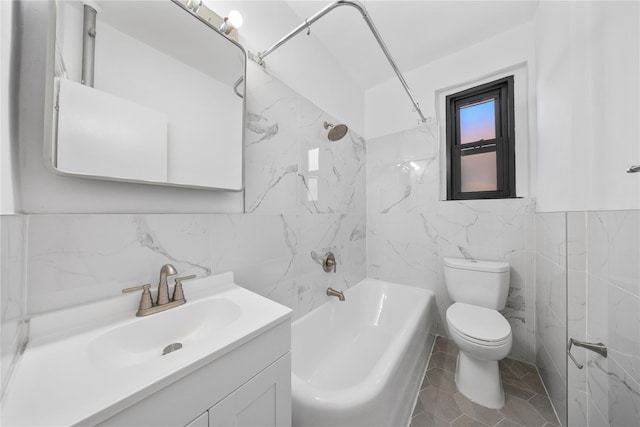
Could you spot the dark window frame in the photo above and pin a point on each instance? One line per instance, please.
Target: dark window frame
(504, 144)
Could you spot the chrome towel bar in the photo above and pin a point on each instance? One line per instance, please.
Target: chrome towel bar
(599, 348)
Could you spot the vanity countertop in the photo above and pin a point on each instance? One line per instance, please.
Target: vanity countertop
(85, 364)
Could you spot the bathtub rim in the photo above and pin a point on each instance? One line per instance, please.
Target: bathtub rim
(350, 290)
(365, 391)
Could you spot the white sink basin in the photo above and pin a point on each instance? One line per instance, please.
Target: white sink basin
(85, 364)
(144, 339)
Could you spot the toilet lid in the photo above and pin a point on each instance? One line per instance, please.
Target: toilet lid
(479, 323)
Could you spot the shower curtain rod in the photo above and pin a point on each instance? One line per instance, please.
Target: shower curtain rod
(307, 23)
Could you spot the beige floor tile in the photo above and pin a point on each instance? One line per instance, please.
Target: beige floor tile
(508, 423)
(440, 404)
(444, 380)
(427, 420)
(419, 408)
(465, 421)
(533, 380)
(425, 382)
(521, 412)
(518, 368)
(444, 361)
(446, 346)
(522, 393)
(486, 416)
(543, 406)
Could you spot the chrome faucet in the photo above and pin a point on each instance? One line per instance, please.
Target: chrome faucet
(333, 293)
(147, 306)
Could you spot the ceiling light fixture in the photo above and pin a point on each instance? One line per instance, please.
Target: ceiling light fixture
(234, 20)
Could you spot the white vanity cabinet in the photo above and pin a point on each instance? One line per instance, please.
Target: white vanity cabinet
(100, 365)
(263, 401)
(248, 386)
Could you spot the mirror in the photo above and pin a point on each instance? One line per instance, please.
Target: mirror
(166, 106)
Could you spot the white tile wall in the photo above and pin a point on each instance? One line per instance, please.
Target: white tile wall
(577, 316)
(74, 259)
(13, 331)
(260, 250)
(271, 145)
(603, 275)
(551, 303)
(607, 285)
(341, 173)
(341, 234)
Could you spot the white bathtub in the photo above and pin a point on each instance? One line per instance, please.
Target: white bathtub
(360, 362)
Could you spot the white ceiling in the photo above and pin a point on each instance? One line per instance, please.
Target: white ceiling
(415, 32)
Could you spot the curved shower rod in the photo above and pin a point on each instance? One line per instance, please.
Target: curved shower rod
(307, 23)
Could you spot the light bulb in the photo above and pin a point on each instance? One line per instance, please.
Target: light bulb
(235, 18)
(194, 5)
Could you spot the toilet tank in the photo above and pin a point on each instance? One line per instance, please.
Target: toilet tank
(483, 283)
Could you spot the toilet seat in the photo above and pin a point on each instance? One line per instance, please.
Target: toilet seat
(480, 325)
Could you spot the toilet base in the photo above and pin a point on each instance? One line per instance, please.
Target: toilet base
(479, 380)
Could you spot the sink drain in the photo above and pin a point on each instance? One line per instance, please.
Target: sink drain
(172, 347)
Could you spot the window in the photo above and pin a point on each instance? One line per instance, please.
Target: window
(480, 142)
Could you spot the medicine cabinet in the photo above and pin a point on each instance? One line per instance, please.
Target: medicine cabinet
(166, 102)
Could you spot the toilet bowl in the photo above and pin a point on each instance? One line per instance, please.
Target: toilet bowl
(484, 337)
(479, 289)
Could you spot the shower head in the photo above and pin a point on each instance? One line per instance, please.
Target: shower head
(337, 132)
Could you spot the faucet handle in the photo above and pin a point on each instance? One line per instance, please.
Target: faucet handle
(329, 262)
(145, 299)
(144, 287)
(178, 294)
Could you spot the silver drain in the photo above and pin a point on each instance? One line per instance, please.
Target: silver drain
(172, 347)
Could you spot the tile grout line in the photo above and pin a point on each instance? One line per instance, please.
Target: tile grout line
(548, 396)
(415, 403)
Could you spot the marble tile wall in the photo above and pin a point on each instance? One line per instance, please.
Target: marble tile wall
(551, 306)
(290, 165)
(305, 192)
(75, 259)
(410, 231)
(304, 196)
(604, 306)
(13, 330)
(577, 396)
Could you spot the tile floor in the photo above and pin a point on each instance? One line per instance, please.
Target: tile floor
(440, 403)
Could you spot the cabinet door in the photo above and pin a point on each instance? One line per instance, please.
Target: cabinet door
(201, 421)
(263, 401)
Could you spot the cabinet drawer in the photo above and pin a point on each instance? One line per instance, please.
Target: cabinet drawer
(264, 401)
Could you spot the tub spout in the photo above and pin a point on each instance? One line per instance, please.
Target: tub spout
(333, 293)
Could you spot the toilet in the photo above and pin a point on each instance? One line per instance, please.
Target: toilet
(478, 289)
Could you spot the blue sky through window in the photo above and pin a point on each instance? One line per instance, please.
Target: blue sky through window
(478, 122)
